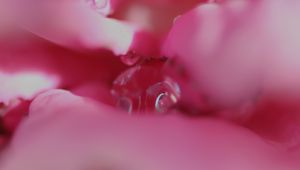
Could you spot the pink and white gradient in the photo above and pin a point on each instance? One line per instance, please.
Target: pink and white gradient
(240, 57)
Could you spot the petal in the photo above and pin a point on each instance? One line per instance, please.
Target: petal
(236, 59)
(197, 38)
(74, 24)
(66, 132)
(30, 65)
(155, 16)
(230, 56)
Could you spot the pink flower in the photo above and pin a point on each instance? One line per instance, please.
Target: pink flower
(236, 63)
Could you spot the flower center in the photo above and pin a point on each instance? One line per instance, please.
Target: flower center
(146, 87)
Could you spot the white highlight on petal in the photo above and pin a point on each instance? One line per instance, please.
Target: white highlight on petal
(24, 85)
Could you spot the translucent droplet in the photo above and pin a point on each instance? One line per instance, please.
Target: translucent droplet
(125, 90)
(130, 58)
(192, 101)
(163, 95)
(164, 101)
(145, 88)
(126, 76)
(125, 104)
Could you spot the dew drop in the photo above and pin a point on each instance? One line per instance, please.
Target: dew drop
(164, 101)
(162, 96)
(131, 58)
(125, 104)
(127, 91)
(126, 76)
(145, 88)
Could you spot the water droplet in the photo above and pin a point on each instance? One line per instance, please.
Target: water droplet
(145, 88)
(163, 95)
(125, 104)
(126, 90)
(126, 76)
(164, 101)
(130, 58)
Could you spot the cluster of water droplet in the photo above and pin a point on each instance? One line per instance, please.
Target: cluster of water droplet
(145, 87)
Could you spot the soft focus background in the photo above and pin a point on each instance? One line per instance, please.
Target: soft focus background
(234, 65)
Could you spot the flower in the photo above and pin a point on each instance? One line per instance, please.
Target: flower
(235, 63)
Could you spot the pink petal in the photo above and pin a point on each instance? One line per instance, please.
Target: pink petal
(238, 53)
(74, 24)
(155, 16)
(231, 55)
(65, 132)
(197, 39)
(30, 65)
